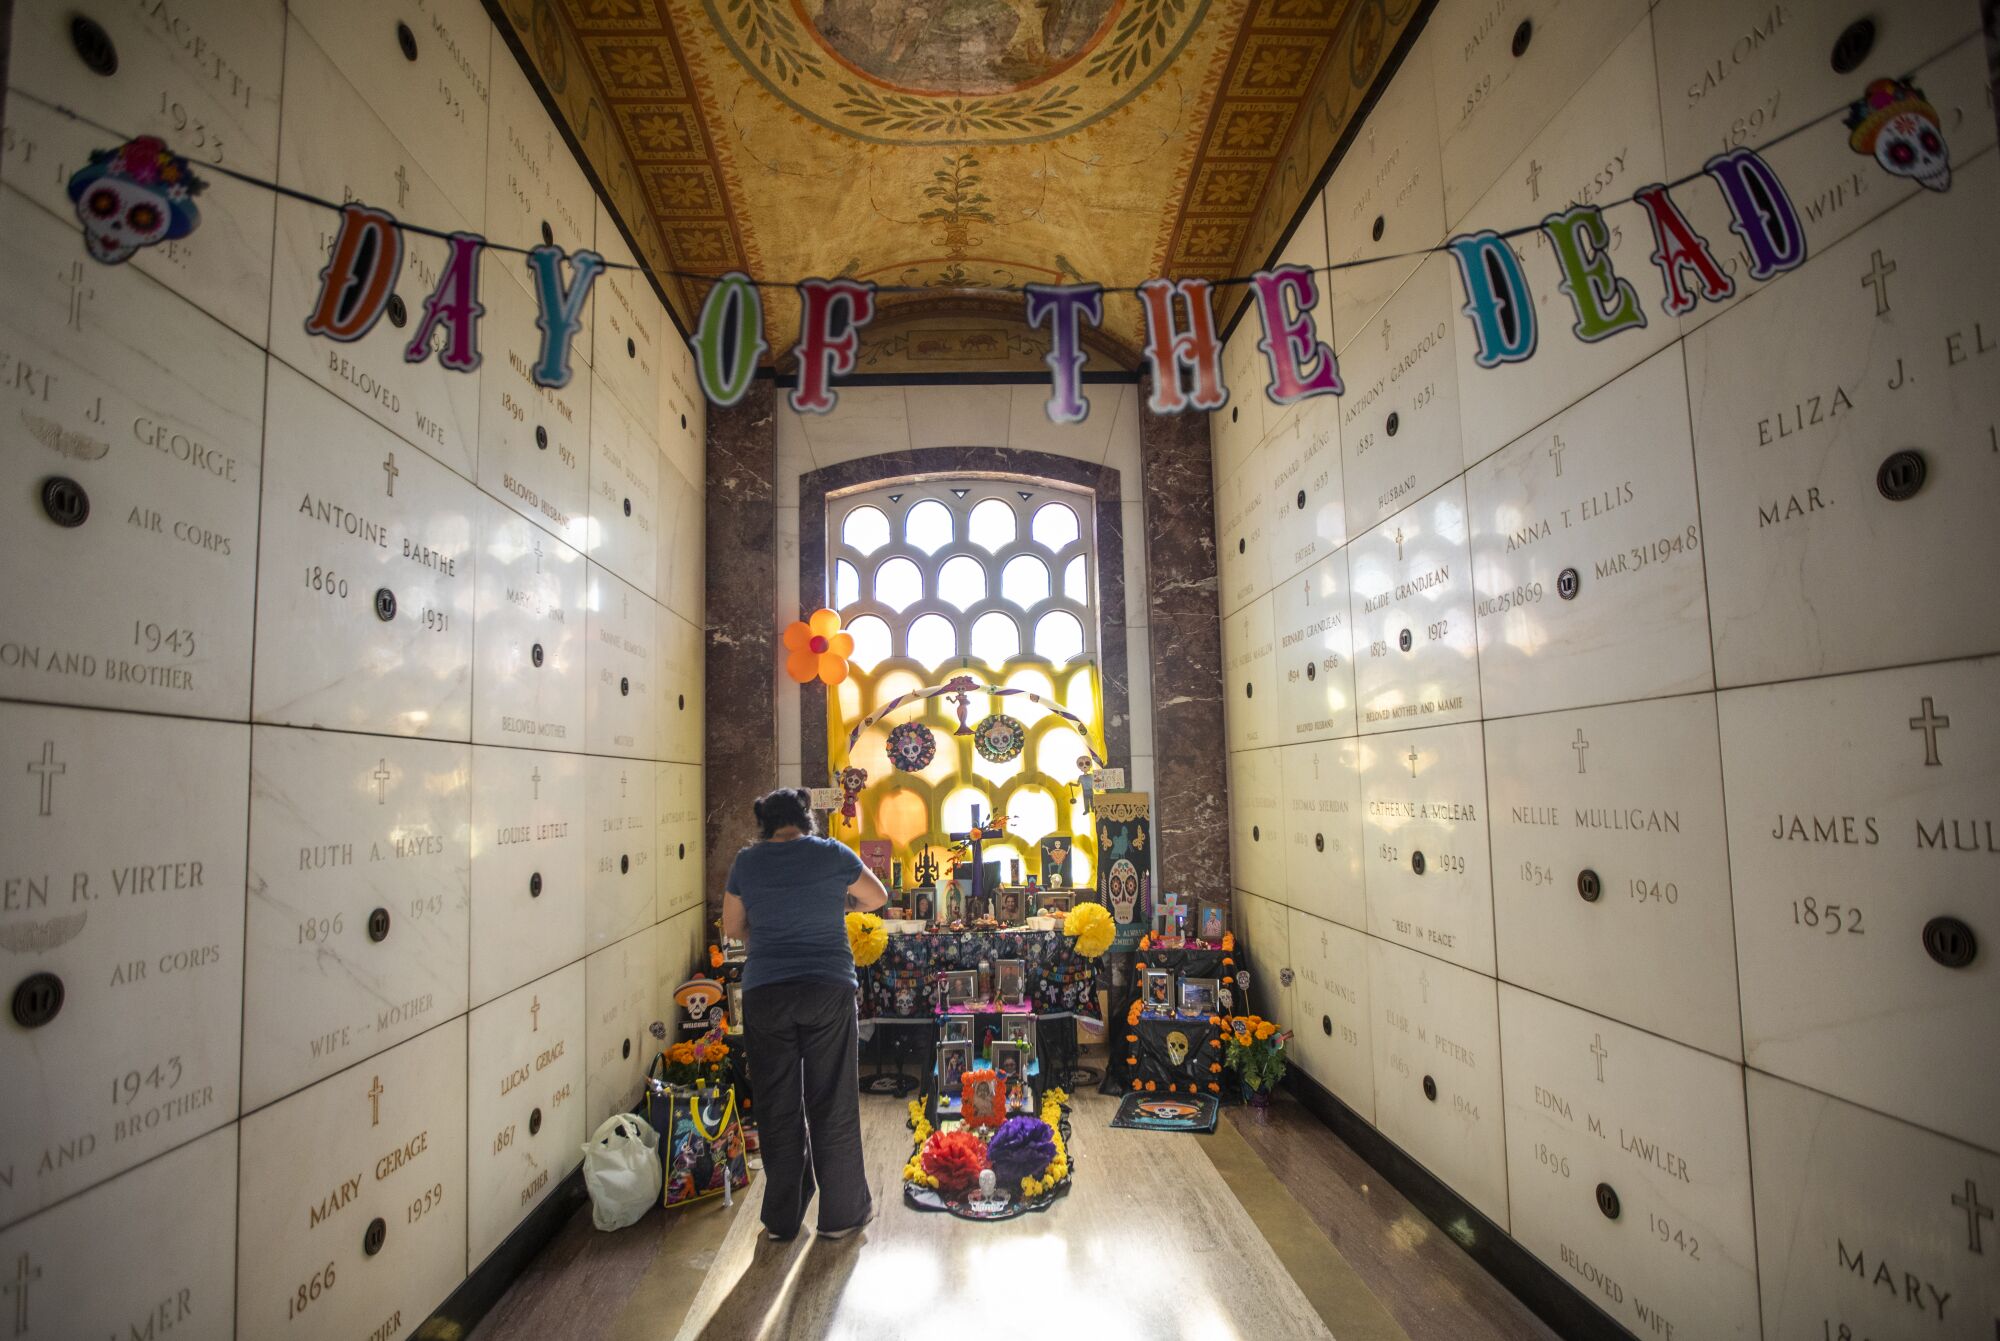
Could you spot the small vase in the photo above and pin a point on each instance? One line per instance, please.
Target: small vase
(1259, 1099)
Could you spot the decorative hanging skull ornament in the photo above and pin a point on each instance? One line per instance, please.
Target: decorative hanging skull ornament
(1897, 125)
(137, 195)
(1177, 1047)
(1123, 878)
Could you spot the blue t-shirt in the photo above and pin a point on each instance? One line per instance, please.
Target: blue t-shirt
(795, 897)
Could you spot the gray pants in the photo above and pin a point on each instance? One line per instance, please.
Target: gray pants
(805, 1072)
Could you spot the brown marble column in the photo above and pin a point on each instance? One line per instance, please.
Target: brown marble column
(1191, 759)
(741, 732)
(1989, 14)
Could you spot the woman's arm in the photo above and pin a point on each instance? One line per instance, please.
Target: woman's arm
(866, 893)
(735, 921)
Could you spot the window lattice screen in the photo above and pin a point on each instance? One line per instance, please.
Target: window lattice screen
(995, 578)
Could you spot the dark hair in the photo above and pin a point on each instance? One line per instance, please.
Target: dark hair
(788, 807)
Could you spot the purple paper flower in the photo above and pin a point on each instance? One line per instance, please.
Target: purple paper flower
(1021, 1148)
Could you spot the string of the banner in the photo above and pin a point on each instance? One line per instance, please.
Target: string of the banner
(706, 277)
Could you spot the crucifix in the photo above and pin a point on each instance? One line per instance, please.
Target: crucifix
(49, 768)
(1975, 1211)
(1534, 179)
(79, 293)
(381, 776)
(538, 556)
(375, 1102)
(1599, 1051)
(1399, 544)
(1556, 450)
(24, 1276)
(402, 187)
(390, 471)
(975, 838)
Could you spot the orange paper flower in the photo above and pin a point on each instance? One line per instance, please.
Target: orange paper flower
(817, 649)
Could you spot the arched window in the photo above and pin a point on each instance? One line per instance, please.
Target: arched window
(995, 579)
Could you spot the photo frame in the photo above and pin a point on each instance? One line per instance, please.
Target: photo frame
(1019, 1029)
(1010, 981)
(960, 987)
(1213, 921)
(953, 1061)
(983, 1098)
(1157, 992)
(1010, 906)
(1200, 996)
(1010, 1059)
(1055, 903)
(950, 904)
(957, 1030)
(736, 1007)
(923, 906)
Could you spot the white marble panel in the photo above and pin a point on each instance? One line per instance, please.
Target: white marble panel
(1256, 814)
(682, 652)
(437, 101)
(528, 644)
(681, 556)
(1736, 75)
(1867, 1227)
(160, 1223)
(344, 828)
(384, 1141)
(1604, 492)
(620, 627)
(680, 839)
(1331, 1016)
(1790, 435)
(1593, 1105)
(1323, 833)
(1307, 508)
(1239, 424)
(1436, 1038)
(622, 992)
(1861, 807)
(203, 76)
(1632, 796)
(620, 808)
(1313, 662)
(624, 534)
(1424, 842)
(524, 1109)
(1605, 145)
(1249, 680)
(529, 851)
(534, 441)
(1399, 429)
(679, 947)
(337, 149)
(532, 179)
(1490, 102)
(1390, 172)
(683, 411)
(1410, 598)
(351, 513)
(1243, 532)
(630, 329)
(1265, 928)
(1305, 247)
(124, 881)
(147, 603)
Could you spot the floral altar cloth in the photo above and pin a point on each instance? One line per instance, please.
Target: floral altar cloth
(901, 985)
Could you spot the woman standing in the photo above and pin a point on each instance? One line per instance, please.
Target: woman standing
(787, 899)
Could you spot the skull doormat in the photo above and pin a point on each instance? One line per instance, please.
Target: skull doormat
(1125, 864)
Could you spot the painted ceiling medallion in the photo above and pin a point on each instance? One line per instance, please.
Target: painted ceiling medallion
(955, 71)
(999, 738)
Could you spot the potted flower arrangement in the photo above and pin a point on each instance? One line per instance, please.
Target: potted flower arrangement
(1254, 1049)
(700, 1064)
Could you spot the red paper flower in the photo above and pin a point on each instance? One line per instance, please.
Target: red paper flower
(954, 1158)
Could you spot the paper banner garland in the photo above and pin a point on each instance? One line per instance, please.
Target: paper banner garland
(911, 747)
(141, 193)
(961, 685)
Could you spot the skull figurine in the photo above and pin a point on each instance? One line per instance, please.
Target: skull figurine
(1177, 1047)
(1895, 124)
(1123, 879)
(137, 195)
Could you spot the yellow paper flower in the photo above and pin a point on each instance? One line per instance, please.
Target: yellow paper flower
(1090, 926)
(866, 937)
(817, 649)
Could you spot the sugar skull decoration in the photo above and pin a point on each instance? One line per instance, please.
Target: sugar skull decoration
(700, 1000)
(137, 195)
(1000, 738)
(1177, 1047)
(1897, 125)
(1123, 879)
(911, 747)
(852, 780)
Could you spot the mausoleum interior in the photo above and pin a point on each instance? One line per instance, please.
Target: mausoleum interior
(1368, 629)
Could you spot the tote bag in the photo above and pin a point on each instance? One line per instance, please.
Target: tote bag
(701, 1144)
(621, 1170)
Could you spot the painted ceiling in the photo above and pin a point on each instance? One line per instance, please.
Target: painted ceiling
(949, 147)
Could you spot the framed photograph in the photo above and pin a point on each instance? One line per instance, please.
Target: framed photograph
(924, 905)
(957, 1030)
(1019, 1029)
(1010, 1059)
(953, 1061)
(1010, 981)
(1199, 996)
(985, 1099)
(1158, 992)
(1214, 921)
(960, 986)
(1056, 903)
(736, 1008)
(1010, 906)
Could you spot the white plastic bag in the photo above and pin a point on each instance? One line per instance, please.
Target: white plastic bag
(621, 1169)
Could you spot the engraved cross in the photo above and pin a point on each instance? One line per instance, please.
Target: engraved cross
(402, 187)
(1975, 1211)
(535, 1010)
(375, 1102)
(26, 1275)
(1580, 745)
(1929, 723)
(538, 555)
(621, 784)
(390, 472)
(536, 778)
(1878, 275)
(1412, 756)
(1399, 544)
(1556, 450)
(1424, 984)
(79, 293)
(49, 768)
(381, 776)
(1599, 1051)
(1534, 180)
